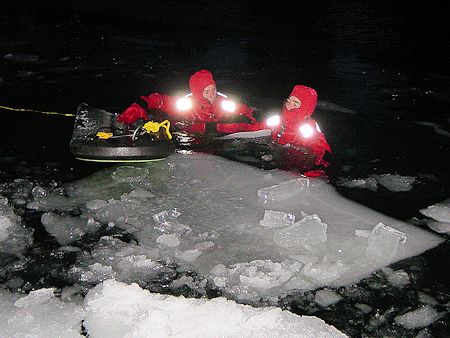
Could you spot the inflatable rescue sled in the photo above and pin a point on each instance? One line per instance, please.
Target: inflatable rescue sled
(97, 136)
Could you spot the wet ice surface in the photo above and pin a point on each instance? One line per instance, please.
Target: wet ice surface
(203, 212)
(201, 225)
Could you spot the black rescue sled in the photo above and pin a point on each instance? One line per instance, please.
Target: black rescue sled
(97, 136)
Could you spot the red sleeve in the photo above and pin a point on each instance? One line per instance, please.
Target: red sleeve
(163, 102)
(243, 109)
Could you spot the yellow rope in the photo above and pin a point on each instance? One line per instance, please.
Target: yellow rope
(35, 111)
(153, 127)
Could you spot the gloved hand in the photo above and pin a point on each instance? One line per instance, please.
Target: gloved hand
(132, 113)
(154, 101)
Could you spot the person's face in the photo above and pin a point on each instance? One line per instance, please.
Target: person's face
(292, 102)
(210, 93)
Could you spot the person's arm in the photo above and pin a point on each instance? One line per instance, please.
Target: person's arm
(132, 113)
(139, 110)
(244, 110)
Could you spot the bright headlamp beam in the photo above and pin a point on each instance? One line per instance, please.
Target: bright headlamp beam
(306, 130)
(273, 121)
(228, 106)
(184, 104)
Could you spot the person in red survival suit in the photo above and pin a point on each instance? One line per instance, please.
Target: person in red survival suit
(194, 112)
(296, 129)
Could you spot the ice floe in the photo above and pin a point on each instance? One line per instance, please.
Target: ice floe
(253, 233)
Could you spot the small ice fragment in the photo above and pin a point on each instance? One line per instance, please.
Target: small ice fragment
(95, 204)
(365, 183)
(427, 299)
(37, 297)
(189, 255)
(322, 273)
(363, 307)
(128, 174)
(440, 227)
(5, 223)
(65, 229)
(399, 278)
(277, 219)
(420, 317)
(438, 212)
(384, 241)
(166, 221)
(286, 190)
(39, 192)
(218, 270)
(327, 297)
(395, 183)
(169, 240)
(165, 216)
(308, 231)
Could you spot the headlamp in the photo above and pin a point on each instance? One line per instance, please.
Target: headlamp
(306, 130)
(273, 121)
(184, 104)
(228, 106)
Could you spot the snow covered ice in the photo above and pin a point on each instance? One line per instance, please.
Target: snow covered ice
(115, 309)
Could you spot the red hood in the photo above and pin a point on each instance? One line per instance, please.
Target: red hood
(308, 98)
(198, 82)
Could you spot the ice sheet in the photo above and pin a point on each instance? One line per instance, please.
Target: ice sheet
(214, 208)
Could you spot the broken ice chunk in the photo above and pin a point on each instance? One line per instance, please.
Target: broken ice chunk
(420, 317)
(326, 297)
(37, 297)
(325, 272)
(166, 221)
(169, 240)
(66, 229)
(399, 278)
(285, 190)
(165, 216)
(440, 227)
(277, 219)
(395, 183)
(363, 307)
(95, 204)
(438, 212)
(365, 183)
(308, 231)
(384, 241)
(189, 255)
(129, 174)
(5, 223)
(265, 274)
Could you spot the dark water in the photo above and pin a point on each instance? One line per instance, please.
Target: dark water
(381, 69)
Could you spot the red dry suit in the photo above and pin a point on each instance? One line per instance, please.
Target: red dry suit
(202, 112)
(288, 132)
